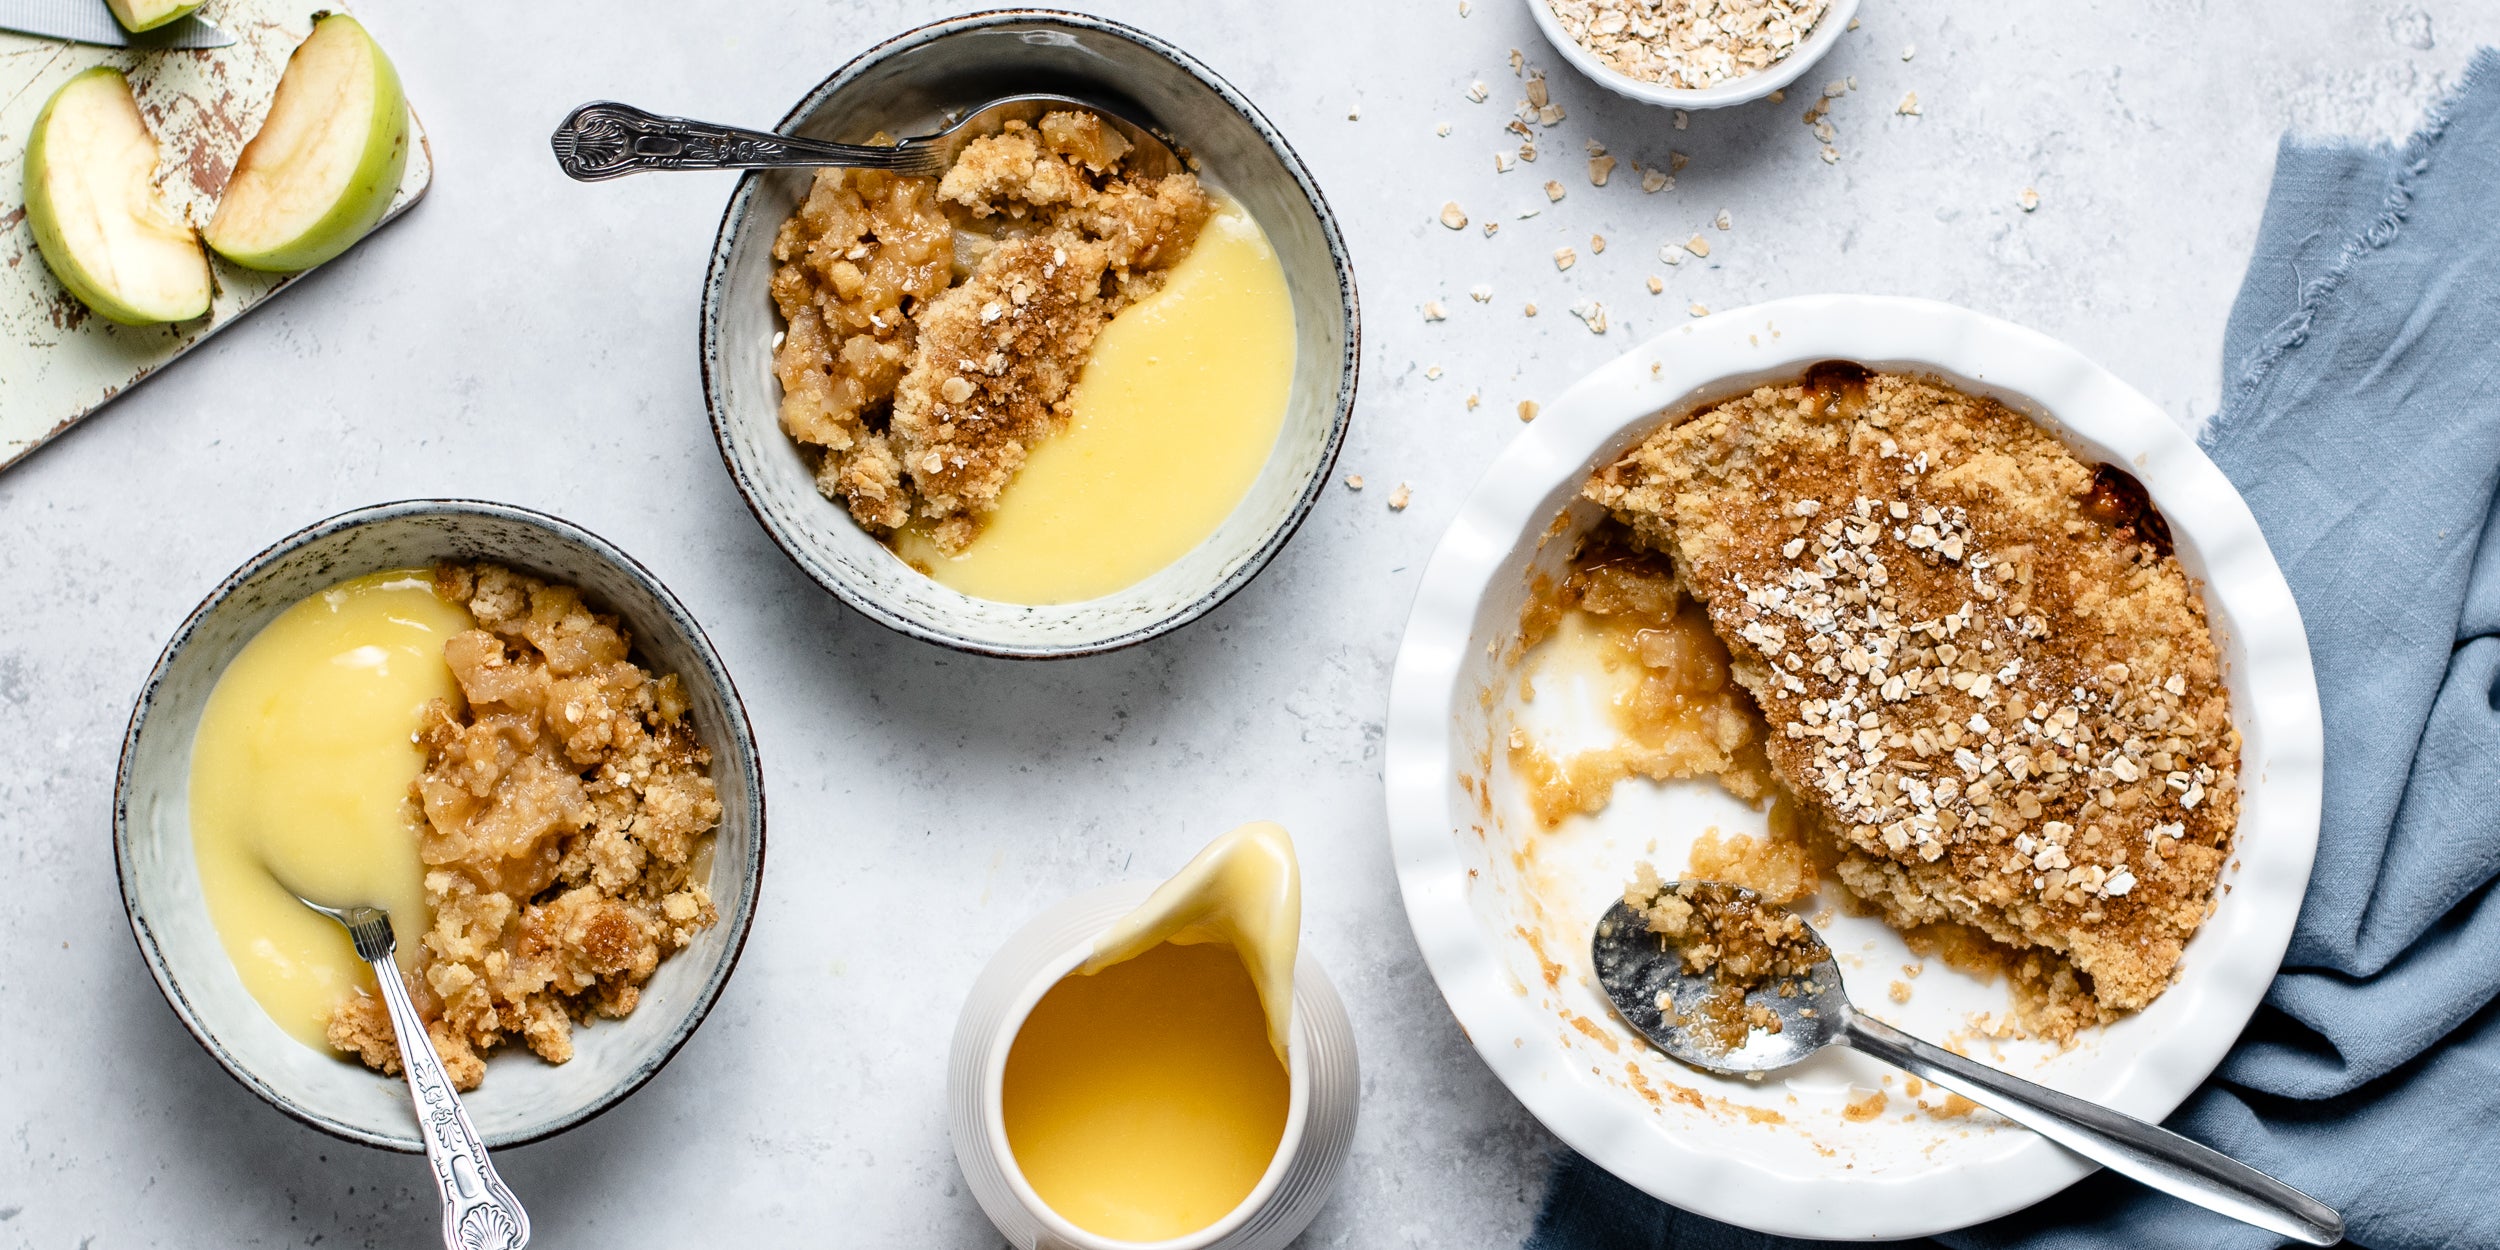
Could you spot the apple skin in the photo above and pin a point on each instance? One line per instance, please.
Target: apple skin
(44, 219)
(367, 198)
(125, 12)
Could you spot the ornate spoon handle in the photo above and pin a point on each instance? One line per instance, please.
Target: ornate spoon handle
(610, 140)
(479, 1212)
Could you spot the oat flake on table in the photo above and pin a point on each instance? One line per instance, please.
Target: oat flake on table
(1688, 44)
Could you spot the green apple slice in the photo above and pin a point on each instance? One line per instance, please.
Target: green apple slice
(139, 15)
(91, 199)
(328, 158)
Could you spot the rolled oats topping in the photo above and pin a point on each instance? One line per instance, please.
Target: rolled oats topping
(1688, 44)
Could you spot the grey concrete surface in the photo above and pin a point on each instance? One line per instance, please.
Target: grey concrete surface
(519, 337)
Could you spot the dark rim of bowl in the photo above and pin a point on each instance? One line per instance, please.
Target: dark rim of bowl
(742, 743)
(716, 276)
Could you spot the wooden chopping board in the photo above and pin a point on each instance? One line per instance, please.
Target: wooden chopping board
(58, 362)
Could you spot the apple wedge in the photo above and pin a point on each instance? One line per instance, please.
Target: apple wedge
(91, 199)
(139, 15)
(322, 170)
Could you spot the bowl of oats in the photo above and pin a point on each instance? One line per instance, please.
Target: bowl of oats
(500, 728)
(1693, 54)
(1918, 623)
(1062, 398)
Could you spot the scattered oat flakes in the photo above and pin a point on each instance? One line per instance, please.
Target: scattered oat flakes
(1779, 97)
(1525, 214)
(1831, 155)
(1672, 253)
(1354, 113)
(1482, 293)
(1518, 63)
(1699, 310)
(1654, 182)
(1502, 162)
(1442, 130)
(1835, 89)
(1597, 243)
(1432, 373)
(1474, 398)
(1527, 410)
(1354, 481)
(1531, 309)
(1825, 131)
(1908, 106)
(1723, 221)
(1463, 7)
(1553, 190)
(1676, 161)
(1399, 498)
(1453, 216)
(1538, 96)
(1600, 169)
(1908, 50)
(1682, 119)
(1491, 228)
(1853, 24)
(1549, 115)
(1656, 286)
(1527, 150)
(2029, 199)
(1697, 245)
(1591, 314)
(1433, 311)
(1476, 92)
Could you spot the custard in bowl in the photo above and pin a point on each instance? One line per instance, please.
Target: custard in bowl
(501, 730)
(1059, 399)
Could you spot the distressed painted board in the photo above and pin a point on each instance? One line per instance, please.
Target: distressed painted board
(58, 363)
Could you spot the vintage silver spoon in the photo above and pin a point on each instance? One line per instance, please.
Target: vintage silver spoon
(1636, 967)
(479, 1211)
(610, 140)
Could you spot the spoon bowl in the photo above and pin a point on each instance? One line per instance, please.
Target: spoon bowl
(1647, 979)
(1643, 977)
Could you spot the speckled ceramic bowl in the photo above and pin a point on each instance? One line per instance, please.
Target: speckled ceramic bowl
(1827, 31)
(905, 86)
(523, 1099)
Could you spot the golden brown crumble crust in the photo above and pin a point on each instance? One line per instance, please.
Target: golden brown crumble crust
(936, 327)
(562, 815)
(2006, 704)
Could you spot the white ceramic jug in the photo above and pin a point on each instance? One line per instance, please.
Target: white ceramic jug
(1319, 1120)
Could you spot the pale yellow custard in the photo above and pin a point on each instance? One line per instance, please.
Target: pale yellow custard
(1175, 413)
(300, 772)
(1147, 1092)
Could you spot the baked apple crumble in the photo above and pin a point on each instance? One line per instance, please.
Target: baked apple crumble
(564, 819)
(937, 326)
(1980, 671)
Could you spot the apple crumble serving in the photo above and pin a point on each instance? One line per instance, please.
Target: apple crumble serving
(937, 326)
(564, 817)
(1982, 674)
(1743, 941)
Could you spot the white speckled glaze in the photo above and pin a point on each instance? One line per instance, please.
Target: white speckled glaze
(1492, 899)
(1319, 1126)
(1827, 31)
(905, 86)
(523, 1099)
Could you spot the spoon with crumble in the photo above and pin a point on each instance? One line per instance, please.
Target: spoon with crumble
(605, 140)
(479, 1211)
(1737, 986)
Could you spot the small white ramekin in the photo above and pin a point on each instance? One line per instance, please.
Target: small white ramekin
(1827, 31)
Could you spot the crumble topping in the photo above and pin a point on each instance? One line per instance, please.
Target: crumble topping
(937, 326)
(563, 819)
(1742, 941)
(1982, 668)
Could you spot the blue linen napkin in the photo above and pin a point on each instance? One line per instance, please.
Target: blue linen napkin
(2361, 419)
